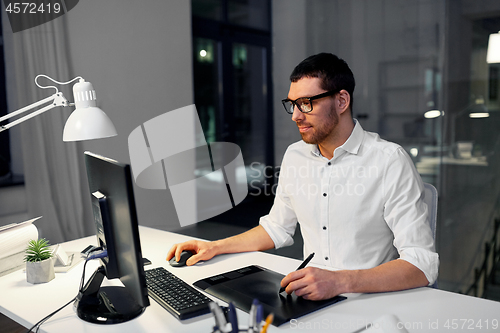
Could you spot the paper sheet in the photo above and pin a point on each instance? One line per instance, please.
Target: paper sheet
(14, 237)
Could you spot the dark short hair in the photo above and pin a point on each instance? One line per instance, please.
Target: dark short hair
(334, 73)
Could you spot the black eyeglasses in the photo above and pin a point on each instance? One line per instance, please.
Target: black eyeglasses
(304, 104)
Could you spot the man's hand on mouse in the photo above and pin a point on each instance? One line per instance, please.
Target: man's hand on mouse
(202, 251)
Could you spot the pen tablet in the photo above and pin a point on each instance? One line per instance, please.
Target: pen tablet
(243, 285)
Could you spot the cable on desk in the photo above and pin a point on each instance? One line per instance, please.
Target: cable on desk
(96, 256)
(37, 325)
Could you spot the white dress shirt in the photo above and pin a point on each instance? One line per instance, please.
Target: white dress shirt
(358, 210)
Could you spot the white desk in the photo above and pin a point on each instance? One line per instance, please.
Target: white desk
(420, 309)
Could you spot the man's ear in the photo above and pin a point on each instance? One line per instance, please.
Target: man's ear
(344, 100)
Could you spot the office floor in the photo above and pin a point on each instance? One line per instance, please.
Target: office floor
(10, 326)
(466, 224)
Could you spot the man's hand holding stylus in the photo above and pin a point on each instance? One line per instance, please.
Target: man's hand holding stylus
(313, 283)
(316, 284)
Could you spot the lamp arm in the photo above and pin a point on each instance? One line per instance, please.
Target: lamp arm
(57, 99)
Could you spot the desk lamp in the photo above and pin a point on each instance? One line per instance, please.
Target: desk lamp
(85, 123)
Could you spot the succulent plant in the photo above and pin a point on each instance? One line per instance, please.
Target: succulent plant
(38, 250)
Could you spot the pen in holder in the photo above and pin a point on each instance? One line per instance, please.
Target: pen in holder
(226, 320)
(229, 329)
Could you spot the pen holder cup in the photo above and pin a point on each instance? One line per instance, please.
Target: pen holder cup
(217, 330)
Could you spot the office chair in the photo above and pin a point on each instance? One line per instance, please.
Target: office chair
(431, 199)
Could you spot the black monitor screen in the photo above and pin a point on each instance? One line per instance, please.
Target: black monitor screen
(117, 231)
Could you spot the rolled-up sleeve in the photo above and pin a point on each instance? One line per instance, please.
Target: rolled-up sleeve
(406, 214)
(281, 221)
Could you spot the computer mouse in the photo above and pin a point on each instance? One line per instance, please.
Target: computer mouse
(185, 255)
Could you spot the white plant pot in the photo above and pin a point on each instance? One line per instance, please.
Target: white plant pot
(40, 271)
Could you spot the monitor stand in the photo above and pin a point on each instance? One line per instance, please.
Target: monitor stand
(105, 305)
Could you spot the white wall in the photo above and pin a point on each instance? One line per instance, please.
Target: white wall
(289, 48)
(138, 57)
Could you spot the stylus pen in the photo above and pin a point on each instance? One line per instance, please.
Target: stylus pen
(304, 264)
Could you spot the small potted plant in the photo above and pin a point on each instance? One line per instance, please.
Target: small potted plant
(39, 262)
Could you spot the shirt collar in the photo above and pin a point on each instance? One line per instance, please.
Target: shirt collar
(351, 145)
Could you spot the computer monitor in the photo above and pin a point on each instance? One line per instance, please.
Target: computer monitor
(117, 232)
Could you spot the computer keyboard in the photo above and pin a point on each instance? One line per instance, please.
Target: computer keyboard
(175, 295)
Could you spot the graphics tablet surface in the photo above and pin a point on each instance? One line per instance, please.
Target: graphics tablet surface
(243, 285)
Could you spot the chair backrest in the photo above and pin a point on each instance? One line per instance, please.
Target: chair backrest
(431, 199)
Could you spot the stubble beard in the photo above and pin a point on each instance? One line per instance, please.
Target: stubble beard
(321, 131)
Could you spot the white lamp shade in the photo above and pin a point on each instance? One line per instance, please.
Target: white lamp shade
(88, 123)
(493, 55)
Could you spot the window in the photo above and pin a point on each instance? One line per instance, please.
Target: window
(232, 76)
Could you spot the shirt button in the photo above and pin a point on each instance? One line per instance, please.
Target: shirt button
(324, 194)
(326, 258)
(329, 163)
(324, 228)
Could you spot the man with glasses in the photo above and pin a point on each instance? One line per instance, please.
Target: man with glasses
(358, 198)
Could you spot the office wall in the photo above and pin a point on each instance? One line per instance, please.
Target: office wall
(289, 48)
(364, 33)
(138, 57)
